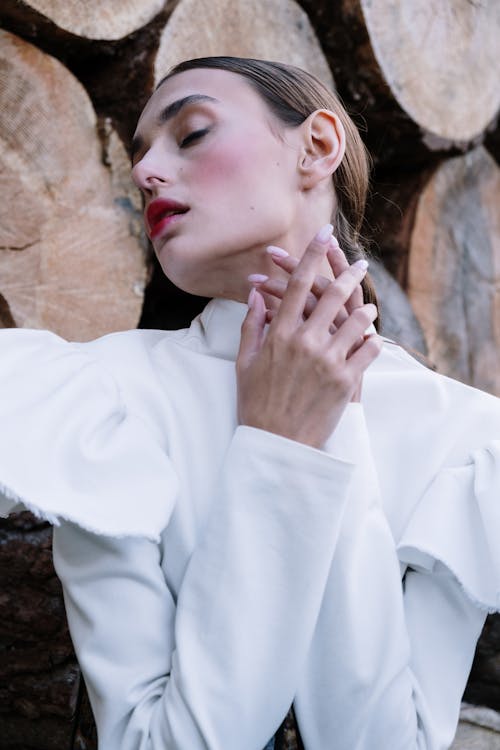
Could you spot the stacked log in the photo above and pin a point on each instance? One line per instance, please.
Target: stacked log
(423, 77)
(90, 20)
(453, 276)
(71, 258)
(259, 29)
(422, 84)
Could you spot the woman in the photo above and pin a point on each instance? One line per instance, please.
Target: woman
(316, 524)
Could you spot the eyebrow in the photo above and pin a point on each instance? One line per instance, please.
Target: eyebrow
(170, 111)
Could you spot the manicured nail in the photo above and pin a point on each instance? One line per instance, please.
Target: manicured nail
(334, 242)
(251, 297)
(362, 264)
(324, 234)
(257, 278)
(278, 252)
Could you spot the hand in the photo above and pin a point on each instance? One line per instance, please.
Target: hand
(338, 263)
(297, 379)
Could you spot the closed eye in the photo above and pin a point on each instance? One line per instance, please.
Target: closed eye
(193, 136)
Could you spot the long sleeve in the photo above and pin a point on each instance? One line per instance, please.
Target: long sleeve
(217, 666)
(389, 661)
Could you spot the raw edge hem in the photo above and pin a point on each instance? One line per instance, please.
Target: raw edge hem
(481, 604)
(55, 518)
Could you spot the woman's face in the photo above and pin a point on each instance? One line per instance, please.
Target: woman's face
(207, 142)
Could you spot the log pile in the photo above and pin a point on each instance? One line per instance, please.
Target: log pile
(71, 257)
(422, 84)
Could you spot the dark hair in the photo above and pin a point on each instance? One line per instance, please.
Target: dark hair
(292, 94)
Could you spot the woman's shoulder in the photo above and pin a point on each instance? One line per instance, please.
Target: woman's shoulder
(118, 353)
(71, 447)
(420, 389)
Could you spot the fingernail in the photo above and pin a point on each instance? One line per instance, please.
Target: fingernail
(324, 234)
(251, 297)
(257, 278)
(362, 264)
(278, 252)
(334, 242)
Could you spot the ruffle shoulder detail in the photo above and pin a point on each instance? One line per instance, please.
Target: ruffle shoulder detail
(452, 459)
(69, 446)
(457, 520)
(457, 523)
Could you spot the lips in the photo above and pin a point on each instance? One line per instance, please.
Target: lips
(161, 212)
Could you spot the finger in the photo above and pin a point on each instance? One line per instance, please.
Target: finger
(365, 355)
(335, 296)
(277, 288)
(359, 341)
(252, 329)
(339, 263)
(289, 263)
(351, 335)
(270, 314)
(336, 257)
(301, 280)
(356, 396)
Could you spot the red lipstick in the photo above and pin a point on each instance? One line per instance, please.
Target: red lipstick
(161, 213)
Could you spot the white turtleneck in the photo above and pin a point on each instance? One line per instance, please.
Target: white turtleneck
(213, 572)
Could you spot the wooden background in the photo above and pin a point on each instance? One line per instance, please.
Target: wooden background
(421, 82)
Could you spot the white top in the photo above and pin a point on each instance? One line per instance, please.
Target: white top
(234, 570)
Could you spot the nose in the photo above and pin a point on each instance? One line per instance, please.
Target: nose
(151, 171)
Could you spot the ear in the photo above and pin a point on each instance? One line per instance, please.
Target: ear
(322, 147)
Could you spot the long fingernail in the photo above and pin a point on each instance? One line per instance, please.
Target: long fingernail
(251, 297)
(257, 278)
(334, 242)
(278, 252)
(362, 264)
(324, 234)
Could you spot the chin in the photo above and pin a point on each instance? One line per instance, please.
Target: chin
(208, 264)
(183, 278)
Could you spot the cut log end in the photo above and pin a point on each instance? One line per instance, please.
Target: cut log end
(440, 60)
(454, 269)
(71, 250)
(93, 19)
(233, 27)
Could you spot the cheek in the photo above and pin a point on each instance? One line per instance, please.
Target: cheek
(232, 167)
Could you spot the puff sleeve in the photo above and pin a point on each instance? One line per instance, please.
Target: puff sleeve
(68, 447)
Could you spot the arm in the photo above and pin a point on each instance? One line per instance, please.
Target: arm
(220, 668)
(387, 666)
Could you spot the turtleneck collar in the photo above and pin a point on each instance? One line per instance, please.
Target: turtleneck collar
(218, 327)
